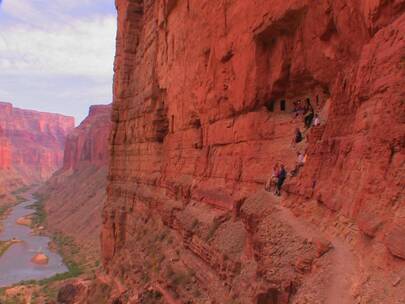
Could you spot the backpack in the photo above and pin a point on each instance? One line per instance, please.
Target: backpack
(283, 174)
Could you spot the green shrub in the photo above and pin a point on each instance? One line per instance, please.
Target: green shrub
(39, 216)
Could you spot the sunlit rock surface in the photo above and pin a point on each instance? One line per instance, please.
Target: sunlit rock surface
(203, 96)
(31, 147)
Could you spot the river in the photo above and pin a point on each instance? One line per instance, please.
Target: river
(15, 264)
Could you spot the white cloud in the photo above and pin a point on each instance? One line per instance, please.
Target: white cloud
(57, 55)
(45, 12)
(84, 47)
(58, 36)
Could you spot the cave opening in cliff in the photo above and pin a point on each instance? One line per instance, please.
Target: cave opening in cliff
(270, 105)
(275, 46)
(279, 86)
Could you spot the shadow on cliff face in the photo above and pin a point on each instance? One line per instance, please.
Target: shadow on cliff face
(270, 297)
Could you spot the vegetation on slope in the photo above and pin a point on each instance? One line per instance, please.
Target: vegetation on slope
(44, 291)
(4, 246)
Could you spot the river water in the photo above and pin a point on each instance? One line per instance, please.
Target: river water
(15, 264)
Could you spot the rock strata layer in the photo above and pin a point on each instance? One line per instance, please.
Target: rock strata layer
(203, 96)
(35, 140)
(74, 195)
(31, 147)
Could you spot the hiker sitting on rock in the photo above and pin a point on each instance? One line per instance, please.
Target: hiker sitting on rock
(297, 137)
(299, 163)
(317, 121)
(282, 175)
(272, 180)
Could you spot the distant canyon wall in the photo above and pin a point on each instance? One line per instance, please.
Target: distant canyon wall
(75, 194)
(31, 147)
(5, 151)
(88, 142)
(35, 140)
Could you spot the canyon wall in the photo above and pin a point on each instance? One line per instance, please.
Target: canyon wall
(5, 151)
(31, 147)
(88, 143)
(36, 140)
(203, 96)
(74, 195)
(5, 164)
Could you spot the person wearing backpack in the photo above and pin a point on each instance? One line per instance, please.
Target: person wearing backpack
(282, 175)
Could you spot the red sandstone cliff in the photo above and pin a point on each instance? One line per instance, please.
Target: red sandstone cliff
(31, 147)
(6, 184)
(88, 143)
(198, 123)
(5, 151)
(75, 194)
(36, 140)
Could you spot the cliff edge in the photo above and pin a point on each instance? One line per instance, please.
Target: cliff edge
(203, 99)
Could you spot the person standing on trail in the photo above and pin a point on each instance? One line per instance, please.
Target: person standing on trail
(272, 181)
(299, 163)
(282, 175)
(308, 119)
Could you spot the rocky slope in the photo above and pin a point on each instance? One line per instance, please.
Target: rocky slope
(202, 100)
(74, 195)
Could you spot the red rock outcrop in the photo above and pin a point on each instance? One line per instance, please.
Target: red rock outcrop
(9, 180)
(74, 195)
(88, 142)
(5, 151)
(202, 99)
(36, 140)
(5, 165)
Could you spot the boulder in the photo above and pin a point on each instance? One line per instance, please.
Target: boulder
(40, 259)
(25, 221)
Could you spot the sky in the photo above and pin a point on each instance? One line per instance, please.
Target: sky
(57, 55)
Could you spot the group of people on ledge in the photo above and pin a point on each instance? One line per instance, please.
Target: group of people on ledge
(277, 179)
(306, 111)
(279, 173)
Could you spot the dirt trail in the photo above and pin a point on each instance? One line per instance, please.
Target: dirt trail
(344, 270)
(344, 267)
